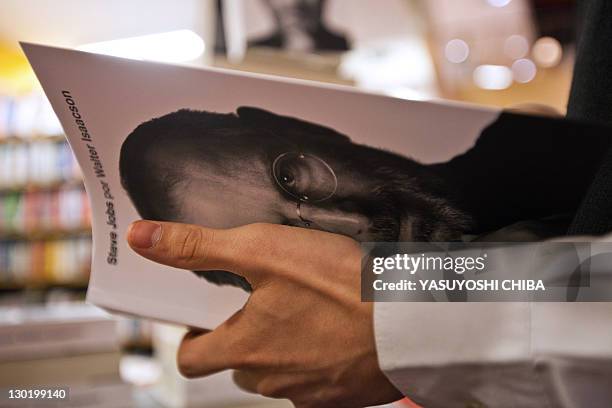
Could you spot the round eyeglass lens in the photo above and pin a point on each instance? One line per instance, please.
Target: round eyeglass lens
(304, 177)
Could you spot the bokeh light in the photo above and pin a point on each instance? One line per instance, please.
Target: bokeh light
(516, 47)
(457, 51)
(547, 52)
(524, 70)
(499, 3)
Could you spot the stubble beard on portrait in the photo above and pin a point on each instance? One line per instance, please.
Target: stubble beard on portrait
(404, 214)
(400, 208)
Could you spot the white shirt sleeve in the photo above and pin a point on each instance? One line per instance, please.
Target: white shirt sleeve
(506, 354)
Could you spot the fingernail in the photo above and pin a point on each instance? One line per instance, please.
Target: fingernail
(144, 234)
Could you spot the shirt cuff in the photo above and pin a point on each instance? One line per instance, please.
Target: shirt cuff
(446, 354)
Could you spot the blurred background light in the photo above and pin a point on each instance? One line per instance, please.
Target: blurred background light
(389, 65)
(406, 92)
(171, 46)
(457, 51)
(499, 3)
(547, 52)
(516, 46)
(493, 77)
(524, 70)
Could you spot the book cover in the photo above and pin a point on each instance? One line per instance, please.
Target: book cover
(222, 149)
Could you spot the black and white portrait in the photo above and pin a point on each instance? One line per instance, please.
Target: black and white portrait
(520, 181)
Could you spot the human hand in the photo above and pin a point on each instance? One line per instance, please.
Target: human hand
(303, 334)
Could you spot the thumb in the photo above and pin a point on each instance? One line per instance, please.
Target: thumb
(192, 247)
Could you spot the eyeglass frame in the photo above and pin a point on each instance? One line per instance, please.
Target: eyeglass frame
(304, 199)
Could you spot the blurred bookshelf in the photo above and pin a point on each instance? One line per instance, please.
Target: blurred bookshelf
(45, 261)
(45, 221)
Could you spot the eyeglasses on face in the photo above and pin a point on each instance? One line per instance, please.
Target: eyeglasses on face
(304, 177)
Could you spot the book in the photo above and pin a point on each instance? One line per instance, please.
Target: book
(75, 369)
(221, 148)
(47, 332)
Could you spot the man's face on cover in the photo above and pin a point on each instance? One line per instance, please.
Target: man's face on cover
(247, 191)
(318, 187)
(228, 170)
(257, 166)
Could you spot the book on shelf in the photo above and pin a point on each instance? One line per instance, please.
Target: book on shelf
(40, 263)
(37, 212)
(39, 332)
(44, 216)
(27, 117)
(72, 369)
(36, 163)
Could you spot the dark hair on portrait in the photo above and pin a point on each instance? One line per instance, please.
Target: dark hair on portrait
(152, 156)
(140, 157)
(156, 147)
